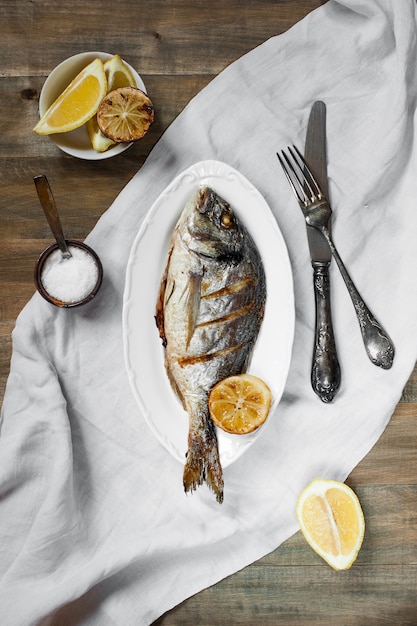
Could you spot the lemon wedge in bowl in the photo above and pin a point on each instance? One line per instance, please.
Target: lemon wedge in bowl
(118, 75)
(77, 103)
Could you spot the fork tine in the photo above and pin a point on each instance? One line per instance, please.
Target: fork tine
(307, 190)
(304, 184)
(307, 173)
(300, 198)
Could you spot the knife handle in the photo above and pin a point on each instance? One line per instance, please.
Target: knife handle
(325, 371)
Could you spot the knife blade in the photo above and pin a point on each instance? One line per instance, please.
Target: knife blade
(325, 370)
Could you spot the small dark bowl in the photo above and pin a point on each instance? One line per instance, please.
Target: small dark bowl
(39, 268)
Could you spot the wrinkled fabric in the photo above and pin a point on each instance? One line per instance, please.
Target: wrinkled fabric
(95, 528)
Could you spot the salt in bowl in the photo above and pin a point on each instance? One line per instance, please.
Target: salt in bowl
(70, 282)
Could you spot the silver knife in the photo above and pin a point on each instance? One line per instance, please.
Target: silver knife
(325, 370)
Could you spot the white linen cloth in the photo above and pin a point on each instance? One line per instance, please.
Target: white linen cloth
(92, 513)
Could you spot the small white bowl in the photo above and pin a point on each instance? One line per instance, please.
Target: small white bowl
(77, 142)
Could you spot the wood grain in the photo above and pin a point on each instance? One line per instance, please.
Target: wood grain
(178, 47)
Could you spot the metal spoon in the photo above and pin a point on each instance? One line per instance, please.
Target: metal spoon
(51, 212)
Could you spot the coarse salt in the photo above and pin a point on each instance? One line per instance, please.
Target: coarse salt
(70, 280)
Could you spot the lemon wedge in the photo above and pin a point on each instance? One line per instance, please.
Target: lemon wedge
(77, 103)
(331, 519)
(118, 74)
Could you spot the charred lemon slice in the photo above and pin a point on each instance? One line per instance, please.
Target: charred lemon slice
(125, 114)
(240, 404)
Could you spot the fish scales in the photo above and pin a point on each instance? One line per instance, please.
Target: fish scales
(209, 312)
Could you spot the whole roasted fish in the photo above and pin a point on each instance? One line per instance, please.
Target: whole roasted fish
(209, 311)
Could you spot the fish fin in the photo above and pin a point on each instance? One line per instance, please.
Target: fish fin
(203, 463)
(193, 296)
(161, 301)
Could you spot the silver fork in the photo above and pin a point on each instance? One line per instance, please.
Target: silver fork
(317, 211)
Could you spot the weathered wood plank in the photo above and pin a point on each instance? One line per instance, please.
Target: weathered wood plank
(316, 596)
(390, 534)
(394, 457)
(19, 114)
(410, 390)
(180, 37)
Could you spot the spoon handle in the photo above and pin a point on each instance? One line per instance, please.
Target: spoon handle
(378, 344)
(49, 207)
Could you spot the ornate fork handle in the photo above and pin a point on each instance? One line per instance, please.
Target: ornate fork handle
(317, 211)
(325, 371)
(378, 344)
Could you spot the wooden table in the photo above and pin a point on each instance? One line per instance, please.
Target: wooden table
(178, 46)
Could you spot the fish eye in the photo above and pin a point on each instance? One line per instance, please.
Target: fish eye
(226, 220)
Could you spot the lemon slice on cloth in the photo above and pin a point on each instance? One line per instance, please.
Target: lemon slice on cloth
(331, 520)
(77, 103)
(118, 75)
(240, 404)
(125, 114)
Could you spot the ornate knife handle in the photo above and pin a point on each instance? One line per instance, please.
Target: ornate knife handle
(325, 371)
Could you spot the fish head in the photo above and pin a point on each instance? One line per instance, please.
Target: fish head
(213, 229)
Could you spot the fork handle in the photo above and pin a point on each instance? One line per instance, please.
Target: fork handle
(377, 342)
(325, 370)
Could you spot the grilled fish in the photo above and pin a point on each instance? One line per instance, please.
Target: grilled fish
(209, 312)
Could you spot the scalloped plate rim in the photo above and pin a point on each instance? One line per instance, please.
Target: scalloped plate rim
(143, 351)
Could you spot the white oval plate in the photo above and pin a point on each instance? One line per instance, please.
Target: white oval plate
(77, 142)
(144, 354)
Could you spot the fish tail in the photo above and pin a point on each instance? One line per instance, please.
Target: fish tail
(203, 463)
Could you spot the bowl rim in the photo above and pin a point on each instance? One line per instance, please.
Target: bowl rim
(76, 142)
